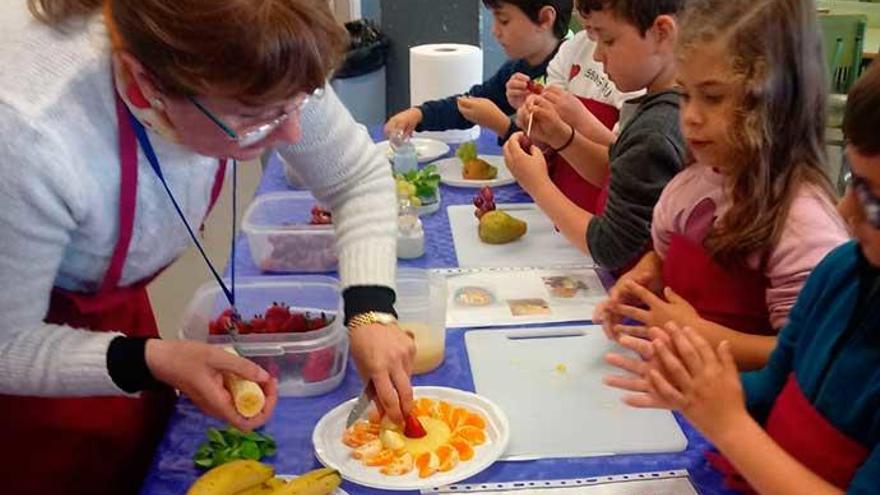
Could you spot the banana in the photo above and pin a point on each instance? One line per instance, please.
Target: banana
(264, 488)
(317, 482)
(231, 478)
(248, 397)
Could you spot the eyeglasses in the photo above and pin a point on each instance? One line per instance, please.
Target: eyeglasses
(870, 202)
(260, 132)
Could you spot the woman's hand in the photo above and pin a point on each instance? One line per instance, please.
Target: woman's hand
(197, 369)
(517, 89)
(405, 122)
(528, 168)
(648, 272)
(483, 112)
(384, 354)
(650, 309)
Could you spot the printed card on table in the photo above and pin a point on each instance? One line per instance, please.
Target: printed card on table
(513, 297)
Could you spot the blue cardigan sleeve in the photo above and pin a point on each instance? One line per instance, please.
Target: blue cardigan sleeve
(867, 478)
(763, 386)
(440, 115)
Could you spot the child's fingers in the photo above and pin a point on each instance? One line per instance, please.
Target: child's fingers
(629, 383)
(689, 355)
(631, 311)
(642, 347)
(699, 343)
(638, 331)
(665, 391)
(676, 371)
(638, 290)
(626, 363)
(644, 401)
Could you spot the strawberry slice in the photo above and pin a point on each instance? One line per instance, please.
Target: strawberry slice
(412, 428)
(535, 87)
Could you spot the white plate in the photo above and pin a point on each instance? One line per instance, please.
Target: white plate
(427, 150)
(450, 173)
(327, 440)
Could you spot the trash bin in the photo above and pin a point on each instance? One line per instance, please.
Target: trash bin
(360, 81)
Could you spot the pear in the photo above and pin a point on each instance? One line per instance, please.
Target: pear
(477, 169)
(497, 227)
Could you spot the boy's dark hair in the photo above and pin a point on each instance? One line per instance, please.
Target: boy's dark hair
(862, 118)
(640, 13)
(532, 9)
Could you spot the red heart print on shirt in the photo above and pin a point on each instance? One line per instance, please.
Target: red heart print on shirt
(575, 70)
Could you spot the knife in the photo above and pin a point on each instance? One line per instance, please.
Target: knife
(361, 404)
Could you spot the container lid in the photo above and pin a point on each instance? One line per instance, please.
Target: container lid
(286, 211)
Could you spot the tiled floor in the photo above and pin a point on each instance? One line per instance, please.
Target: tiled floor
(172, 291)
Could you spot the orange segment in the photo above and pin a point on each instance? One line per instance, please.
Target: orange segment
(444, 412)
(475, 420)
(448, 457)
(465, 451)
(366, 427)
(355, 439)
(472, 434)
(399, 466)
(369, 449)
(383, 458)
(424, 406)
(375, 417)
(458, 417)
(427, 464)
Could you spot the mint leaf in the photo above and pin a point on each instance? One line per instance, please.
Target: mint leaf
(215, 436)
(250, 450)
(205, 462)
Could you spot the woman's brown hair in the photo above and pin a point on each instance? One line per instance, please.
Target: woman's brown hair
(774, 47)
(255, 51)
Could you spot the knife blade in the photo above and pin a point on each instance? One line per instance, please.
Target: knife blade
(361, 405)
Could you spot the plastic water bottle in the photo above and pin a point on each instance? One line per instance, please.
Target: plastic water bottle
(405, 157)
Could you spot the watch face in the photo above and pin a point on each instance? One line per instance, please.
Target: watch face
(384, 318)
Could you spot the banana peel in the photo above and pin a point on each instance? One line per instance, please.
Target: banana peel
(232, 478)
(247, 477)
(317, 482)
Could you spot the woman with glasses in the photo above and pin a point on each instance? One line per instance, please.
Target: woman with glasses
(118, 120)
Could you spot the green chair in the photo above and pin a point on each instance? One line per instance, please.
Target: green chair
(843, 38)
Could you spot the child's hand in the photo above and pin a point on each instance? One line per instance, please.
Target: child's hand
(701, 382)
(647, 273)
(547, 127)
(575, 114)
(658, 313)
(483, 112)
(517, 89)
(405, 122)
(637, 380)
(529, 169)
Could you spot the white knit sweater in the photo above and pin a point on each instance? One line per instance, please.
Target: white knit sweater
(59, 187)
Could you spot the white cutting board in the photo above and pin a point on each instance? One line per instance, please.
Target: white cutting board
(541, 246)
(549, 382)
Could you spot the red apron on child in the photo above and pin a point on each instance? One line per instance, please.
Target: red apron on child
(807, 436)
(92, 445)
(573, 186)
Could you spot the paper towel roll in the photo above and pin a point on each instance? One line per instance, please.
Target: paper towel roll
(442, 70)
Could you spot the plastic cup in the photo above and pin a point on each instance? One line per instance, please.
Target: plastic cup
(421, 310)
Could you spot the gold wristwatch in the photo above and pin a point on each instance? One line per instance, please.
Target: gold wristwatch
(369, 318)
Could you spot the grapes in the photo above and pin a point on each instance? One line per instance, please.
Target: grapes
(484, 201)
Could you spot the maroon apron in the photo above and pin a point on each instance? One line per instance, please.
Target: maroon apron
(587, 196)
(807, 436)
(733, 297)
(92, 445)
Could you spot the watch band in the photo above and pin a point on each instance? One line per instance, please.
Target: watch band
(370, 318)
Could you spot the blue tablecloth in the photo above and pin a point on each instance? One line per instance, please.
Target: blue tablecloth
(173, 471)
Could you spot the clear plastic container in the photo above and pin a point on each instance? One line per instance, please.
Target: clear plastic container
(305, 364)
(421, 310)
(280, 237)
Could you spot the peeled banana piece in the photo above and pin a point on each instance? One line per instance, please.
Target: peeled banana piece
(318, 482)
(247, 396)
(232, 478)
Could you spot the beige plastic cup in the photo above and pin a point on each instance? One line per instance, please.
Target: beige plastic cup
(421, 310)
